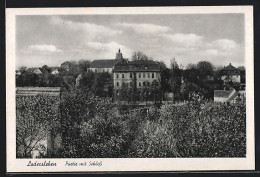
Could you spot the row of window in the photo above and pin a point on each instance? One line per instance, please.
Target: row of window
(140, 75)
(140, 93)
(139, 83)
(100, 70)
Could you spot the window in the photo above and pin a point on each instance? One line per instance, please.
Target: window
(116, 75)
(130, 75)
(139, 75)
(123, 76)
(148, 83)
(143, 75)
(130, 84)
(148, 75)
(117, 84)
(140, 84)
(95, 70)
(143, 83)
(152, 75)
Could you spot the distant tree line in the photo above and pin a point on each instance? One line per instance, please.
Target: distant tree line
(202, 77)
(64, 78)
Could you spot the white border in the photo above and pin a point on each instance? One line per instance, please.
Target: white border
(130, 164)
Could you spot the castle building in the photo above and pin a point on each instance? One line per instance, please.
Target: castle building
(140, 76)
(105, 65)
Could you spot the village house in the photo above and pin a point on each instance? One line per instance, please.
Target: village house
(66, 65)
(229, 96)
(105, 65)
(54, 71)
(140, 75)
(231, 73)
(38, 71)
(18, 72)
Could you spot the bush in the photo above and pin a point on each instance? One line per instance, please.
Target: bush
(92, 127)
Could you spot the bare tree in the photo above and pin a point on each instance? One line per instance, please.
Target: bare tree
(140, 56)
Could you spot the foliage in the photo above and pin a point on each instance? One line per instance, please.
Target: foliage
(95, 128)
(208, 130)
(205, 69)
(35, 117)
(98, 83)
(84, 65)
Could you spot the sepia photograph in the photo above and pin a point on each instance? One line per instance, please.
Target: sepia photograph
(163, 85)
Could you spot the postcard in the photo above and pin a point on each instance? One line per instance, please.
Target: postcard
(130, 89)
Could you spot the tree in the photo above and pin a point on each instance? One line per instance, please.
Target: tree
(124, 93)
(175, 79)
(23, 69)
(54, 81)
(36, 116)
(140, 56)
(165, 77)
(45, 67)
(84, 65)
(191, 66)
(205, 69)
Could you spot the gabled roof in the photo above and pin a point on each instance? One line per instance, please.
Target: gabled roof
(233, 96)
(222, 93)
(66, 63)
(34, 69)
(138, 65)
(43, 71)
(104, 63)
(54, 68)
(230, 70)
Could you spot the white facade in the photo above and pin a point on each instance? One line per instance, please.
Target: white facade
(55, 72)
(233, 78)
(100, 70)
(223, 99)
(143, 79)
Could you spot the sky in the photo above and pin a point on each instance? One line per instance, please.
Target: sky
(189, 38)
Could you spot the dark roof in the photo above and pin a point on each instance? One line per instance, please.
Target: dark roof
(233, 96)
(26, 91)
(66, 63)
(33, 69)
(43, 71)
(138, 65)
(230, 70)
(222, 93)
(104, 63)
(241, 68)
(54, 68)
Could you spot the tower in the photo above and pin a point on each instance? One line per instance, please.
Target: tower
(119, 55)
